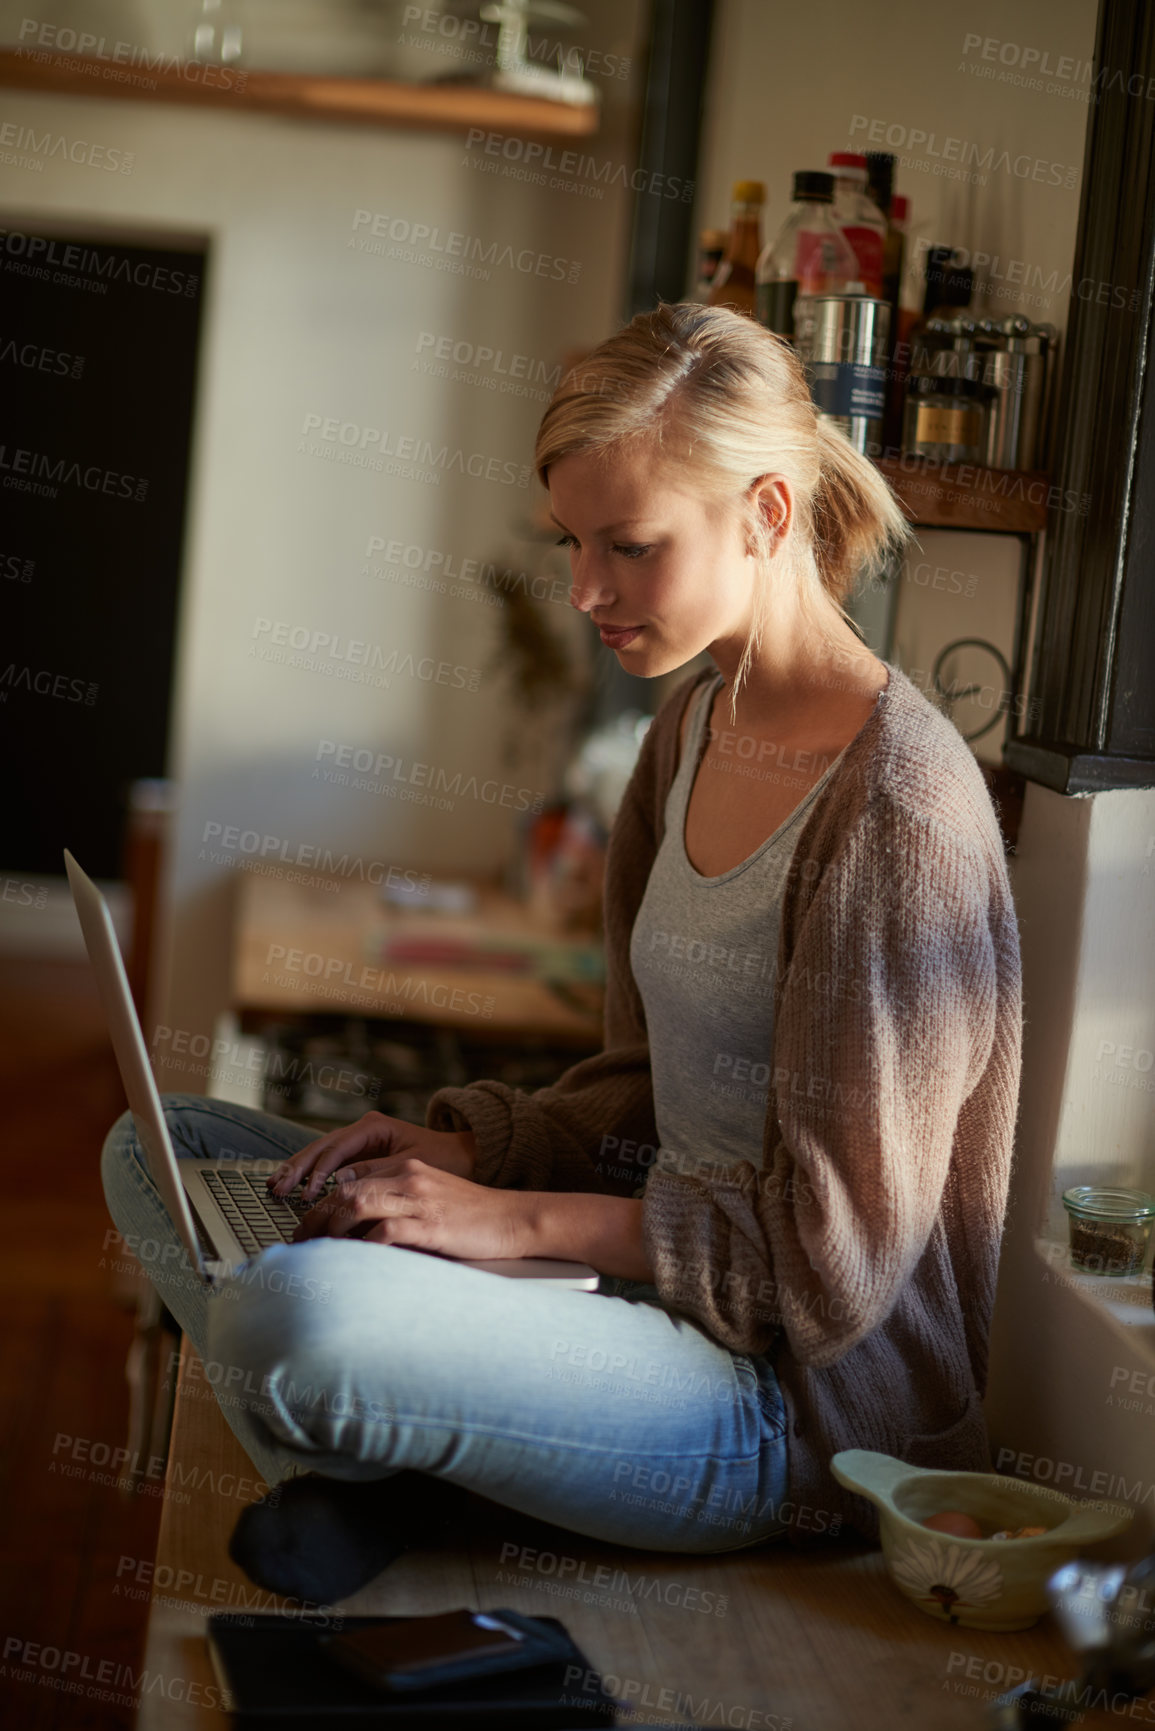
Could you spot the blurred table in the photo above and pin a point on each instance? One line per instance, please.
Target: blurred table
(320, 947)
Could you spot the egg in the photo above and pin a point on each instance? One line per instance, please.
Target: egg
(954, 1523)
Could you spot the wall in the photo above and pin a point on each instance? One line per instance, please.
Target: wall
(1061, 1388)
(312, 335)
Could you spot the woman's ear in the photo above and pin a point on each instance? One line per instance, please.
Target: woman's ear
(775, 499)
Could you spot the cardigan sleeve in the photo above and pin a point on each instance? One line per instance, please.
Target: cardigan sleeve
(884, 1026)
(583, 1133)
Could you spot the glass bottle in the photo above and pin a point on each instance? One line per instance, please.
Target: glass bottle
(947, 299)
(218, 33)
(711, 251)
(902, 319)
(859, 217)
(733, 284)
(808, 256)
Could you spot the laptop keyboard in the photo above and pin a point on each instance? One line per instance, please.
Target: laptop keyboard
(257, 1216)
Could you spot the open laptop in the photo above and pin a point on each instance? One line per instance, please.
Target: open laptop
(221, 1208)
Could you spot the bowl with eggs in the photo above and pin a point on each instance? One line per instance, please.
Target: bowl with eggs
(974, 1549)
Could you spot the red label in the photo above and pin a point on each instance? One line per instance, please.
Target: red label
(867, 244)
(817, 262)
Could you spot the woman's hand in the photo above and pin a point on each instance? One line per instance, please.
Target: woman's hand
(404, 1200)
(374, 1140)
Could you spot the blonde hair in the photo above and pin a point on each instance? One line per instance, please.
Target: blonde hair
(716, 395)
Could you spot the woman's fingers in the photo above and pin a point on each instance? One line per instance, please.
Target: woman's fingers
(352, 1205)
(312, 1165)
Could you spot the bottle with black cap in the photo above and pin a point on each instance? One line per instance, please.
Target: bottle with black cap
(808, 256)
(947, 323)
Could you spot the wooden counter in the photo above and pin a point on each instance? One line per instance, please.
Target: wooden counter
(761, 1639)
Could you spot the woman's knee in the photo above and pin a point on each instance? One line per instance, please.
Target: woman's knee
(275, 1312)
(121, 1161)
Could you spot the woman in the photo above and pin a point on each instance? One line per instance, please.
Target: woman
(789, 1163)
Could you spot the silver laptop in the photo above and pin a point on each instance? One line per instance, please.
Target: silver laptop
(221, 1208)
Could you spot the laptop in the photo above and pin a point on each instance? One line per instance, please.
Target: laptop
(221, 1208)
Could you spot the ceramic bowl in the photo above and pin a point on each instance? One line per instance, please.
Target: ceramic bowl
(978, 1583)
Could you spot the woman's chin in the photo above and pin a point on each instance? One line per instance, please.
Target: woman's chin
(651, 660)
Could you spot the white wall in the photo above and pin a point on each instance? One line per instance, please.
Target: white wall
(299, 322)
(1061, 1386)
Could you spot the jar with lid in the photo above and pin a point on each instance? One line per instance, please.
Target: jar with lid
(1109, 1228)
(945, 418)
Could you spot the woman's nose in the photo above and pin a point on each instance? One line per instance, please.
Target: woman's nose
(587, 589)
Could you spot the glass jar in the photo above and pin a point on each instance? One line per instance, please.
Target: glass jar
(1109, 1228)
(945, 419)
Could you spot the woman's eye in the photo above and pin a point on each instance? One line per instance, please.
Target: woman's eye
(567, 541)
(632, 551)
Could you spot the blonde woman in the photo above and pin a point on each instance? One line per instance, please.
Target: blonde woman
(790, 1161)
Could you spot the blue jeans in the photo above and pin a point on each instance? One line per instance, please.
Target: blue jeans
(600, 1412)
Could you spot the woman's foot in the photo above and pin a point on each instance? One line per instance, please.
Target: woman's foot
(319, 1539)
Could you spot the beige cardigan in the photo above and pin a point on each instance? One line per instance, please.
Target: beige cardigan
(860, 1253)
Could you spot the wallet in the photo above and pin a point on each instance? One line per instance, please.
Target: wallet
(434, 1673)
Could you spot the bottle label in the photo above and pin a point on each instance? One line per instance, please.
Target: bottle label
(848, 388)
(934, 426)
(819, 263)
(867, 245)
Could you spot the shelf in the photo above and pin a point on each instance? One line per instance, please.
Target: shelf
(371, 101)
(1124, 1299)
(967, 496)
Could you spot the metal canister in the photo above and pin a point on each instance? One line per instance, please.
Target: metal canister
(845, 354)
(1018, 365)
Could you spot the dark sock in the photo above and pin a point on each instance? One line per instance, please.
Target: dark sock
(320, 1539)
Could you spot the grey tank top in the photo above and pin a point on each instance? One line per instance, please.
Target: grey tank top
(704, 953)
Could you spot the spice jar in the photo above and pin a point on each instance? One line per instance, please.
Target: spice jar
(1109, 1228)
(944, 418)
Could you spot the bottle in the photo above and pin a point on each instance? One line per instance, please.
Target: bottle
(894, 253)
(947, 322)
(808, 256)
(859, 217)
(733, 284)
(901, 319)
(880, 179)
(711, 250)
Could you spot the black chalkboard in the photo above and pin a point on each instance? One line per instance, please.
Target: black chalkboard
(98, 347)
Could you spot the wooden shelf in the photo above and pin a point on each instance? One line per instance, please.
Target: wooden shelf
(967, 496)
(370, 101)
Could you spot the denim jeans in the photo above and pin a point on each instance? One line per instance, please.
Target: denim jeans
(598, 1411)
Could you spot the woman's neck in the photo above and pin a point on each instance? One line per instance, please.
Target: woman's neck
(798, 675)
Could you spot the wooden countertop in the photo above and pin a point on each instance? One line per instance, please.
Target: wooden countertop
(763, 1639)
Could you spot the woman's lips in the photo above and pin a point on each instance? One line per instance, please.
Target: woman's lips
(616, 637)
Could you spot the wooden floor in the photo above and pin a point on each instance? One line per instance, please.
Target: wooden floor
(63, 1346)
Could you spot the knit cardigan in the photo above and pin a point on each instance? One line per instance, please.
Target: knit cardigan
(859, 1254)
